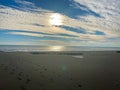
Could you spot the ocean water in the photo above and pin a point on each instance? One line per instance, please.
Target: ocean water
(30, 48)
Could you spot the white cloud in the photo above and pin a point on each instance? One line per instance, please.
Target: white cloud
(25, 3)
(25, 19)
(109, 10)
(39, 35)
(13, 19)
(26, 34)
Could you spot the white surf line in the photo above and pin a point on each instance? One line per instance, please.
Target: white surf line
(80, 56)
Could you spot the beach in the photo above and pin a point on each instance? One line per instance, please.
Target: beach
(85, 70)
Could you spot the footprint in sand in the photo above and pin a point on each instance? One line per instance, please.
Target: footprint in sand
(51, 79)
(117, 84)
(42, 76)
(79, 85)
(71, 79)
(41, 72)
(13, 70)
(45, 69)
(6, 68)
(20, 73)
(19, 78)
(22, 88)
(28, 81)
(12, 73)
(39, 65)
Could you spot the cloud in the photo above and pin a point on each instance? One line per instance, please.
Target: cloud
(84, 21)
(26, 34)
(35, 24)
(33, 34)
(109, 11)
(13, 19)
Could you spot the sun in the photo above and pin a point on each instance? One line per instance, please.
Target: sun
(55, 19)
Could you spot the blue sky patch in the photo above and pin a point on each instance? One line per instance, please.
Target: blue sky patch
(65, 7)
(77, 30)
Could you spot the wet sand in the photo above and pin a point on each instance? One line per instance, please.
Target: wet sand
(98, 70)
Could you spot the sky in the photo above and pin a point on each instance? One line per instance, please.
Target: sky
(60, 22)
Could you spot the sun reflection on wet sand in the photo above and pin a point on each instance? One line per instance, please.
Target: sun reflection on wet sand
(56, 48)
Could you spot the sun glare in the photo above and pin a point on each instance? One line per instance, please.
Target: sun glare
(56, 48)
(55, 19)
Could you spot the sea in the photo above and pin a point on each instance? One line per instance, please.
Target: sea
(34, 48)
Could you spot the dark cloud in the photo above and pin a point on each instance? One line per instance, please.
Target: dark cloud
(61, 34)
(35, 24)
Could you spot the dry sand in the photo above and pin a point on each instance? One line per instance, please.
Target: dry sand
(60, 70)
